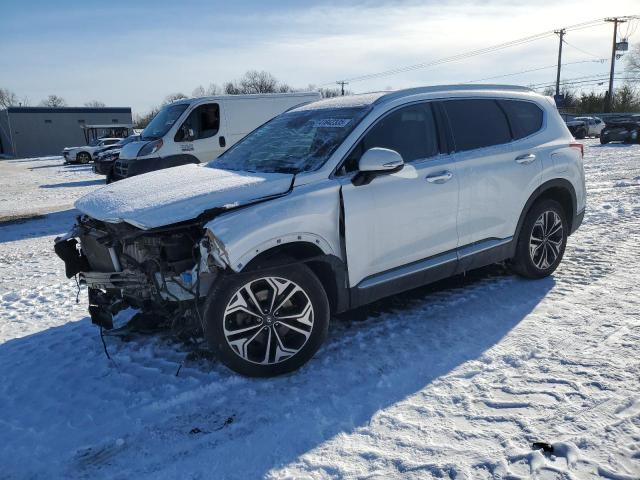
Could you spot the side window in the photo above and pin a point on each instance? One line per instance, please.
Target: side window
(204, 121)
(525, 117)
(410, 131)
(477, 123)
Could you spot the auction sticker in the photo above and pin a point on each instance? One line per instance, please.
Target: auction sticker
(331, 122)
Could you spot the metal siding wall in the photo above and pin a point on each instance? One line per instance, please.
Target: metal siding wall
(33, 137)
(7, 147)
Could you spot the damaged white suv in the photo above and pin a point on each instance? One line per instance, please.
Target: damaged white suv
(328, 206)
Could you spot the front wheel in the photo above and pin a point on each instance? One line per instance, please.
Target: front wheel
(542, 240)
(603, 140)
(83, 157)
(268, 322)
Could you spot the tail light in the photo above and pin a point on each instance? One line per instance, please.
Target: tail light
(578, 146)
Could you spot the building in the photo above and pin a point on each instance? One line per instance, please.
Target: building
(40, 131)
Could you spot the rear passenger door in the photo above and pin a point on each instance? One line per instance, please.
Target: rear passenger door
(497, 162)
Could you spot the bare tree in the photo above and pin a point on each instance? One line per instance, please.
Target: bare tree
(255, 81)
(198, 91)
(53, 101)
(95, 103)
(8, 98)
(633, 61)
(174, 97)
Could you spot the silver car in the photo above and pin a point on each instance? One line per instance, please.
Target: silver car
(329, 206)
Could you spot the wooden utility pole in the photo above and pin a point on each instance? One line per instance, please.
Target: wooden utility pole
(561, 33)
(342, 83)
(609, 98)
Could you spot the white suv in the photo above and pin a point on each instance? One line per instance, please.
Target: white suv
(330, 206)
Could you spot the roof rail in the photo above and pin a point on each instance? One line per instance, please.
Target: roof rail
(450, 88)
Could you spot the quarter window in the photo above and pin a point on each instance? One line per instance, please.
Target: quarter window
(477, 123)
(204, 121)
(525, 117)
(410, 131)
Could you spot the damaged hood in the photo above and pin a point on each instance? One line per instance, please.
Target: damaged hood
(178, 194)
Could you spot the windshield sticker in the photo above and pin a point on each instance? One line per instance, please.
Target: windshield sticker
(186, 147)
(331, 122)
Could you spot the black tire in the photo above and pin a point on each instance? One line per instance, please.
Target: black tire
(581, 133)
(243, 357)
(531, 259)
(83, 157)
(604, 140)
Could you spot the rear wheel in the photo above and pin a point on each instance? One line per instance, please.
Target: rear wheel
(268, 322)
(581, 133)
(83, 157)
(603, 139)
(542, 240)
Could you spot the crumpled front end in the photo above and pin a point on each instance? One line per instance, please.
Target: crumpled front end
(164, 272)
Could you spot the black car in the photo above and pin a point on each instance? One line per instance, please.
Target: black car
(103, 162)
(621, 129)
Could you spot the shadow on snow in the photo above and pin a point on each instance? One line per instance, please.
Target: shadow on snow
(69, 401)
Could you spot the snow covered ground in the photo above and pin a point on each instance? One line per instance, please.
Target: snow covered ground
(42, 185)
(451, 381)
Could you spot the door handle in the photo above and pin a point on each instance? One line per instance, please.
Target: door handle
(525, 159)
(222, 141)
(440, 177)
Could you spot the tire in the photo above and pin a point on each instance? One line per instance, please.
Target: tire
(581, 133)
(603, 140)
(83, 157)
(292, 342)
(540, 239)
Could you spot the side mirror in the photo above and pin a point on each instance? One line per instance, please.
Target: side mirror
(377, 161)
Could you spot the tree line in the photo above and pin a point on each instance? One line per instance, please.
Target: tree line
(626, 98)
(252, 82)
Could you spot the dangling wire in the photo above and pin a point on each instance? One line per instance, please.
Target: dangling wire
(104, 344)
(78, 285)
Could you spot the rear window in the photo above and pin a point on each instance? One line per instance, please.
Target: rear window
(477, 123)
(525, 117)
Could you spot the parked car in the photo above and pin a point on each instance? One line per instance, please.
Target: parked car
(578, 128)
(330, 206)
(199, 129)
(623, 128)
(105, 158)
(85, 154)
(594, 125)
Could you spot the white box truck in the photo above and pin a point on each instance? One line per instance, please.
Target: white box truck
(200, 129)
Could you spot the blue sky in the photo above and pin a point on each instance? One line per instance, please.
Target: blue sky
(135, 53)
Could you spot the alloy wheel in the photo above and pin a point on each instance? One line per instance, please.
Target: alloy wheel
(545, 243)
(268, 320)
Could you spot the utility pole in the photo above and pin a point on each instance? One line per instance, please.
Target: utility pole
(561, 33)
(609, 98)
(342, 83)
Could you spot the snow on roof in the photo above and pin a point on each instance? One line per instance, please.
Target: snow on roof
(364, 99)
(348, 101)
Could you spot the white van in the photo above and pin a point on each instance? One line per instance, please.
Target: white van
(199, 129)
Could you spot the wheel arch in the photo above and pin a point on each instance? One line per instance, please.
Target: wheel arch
(558, 189)
(329, 269)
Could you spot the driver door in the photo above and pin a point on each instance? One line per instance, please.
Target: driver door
(405, 221)
(200, 133)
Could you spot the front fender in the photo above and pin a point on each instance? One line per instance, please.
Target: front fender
(310, 213)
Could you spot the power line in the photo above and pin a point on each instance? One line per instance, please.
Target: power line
(581, 50)
(602, 60)
(472, 53)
